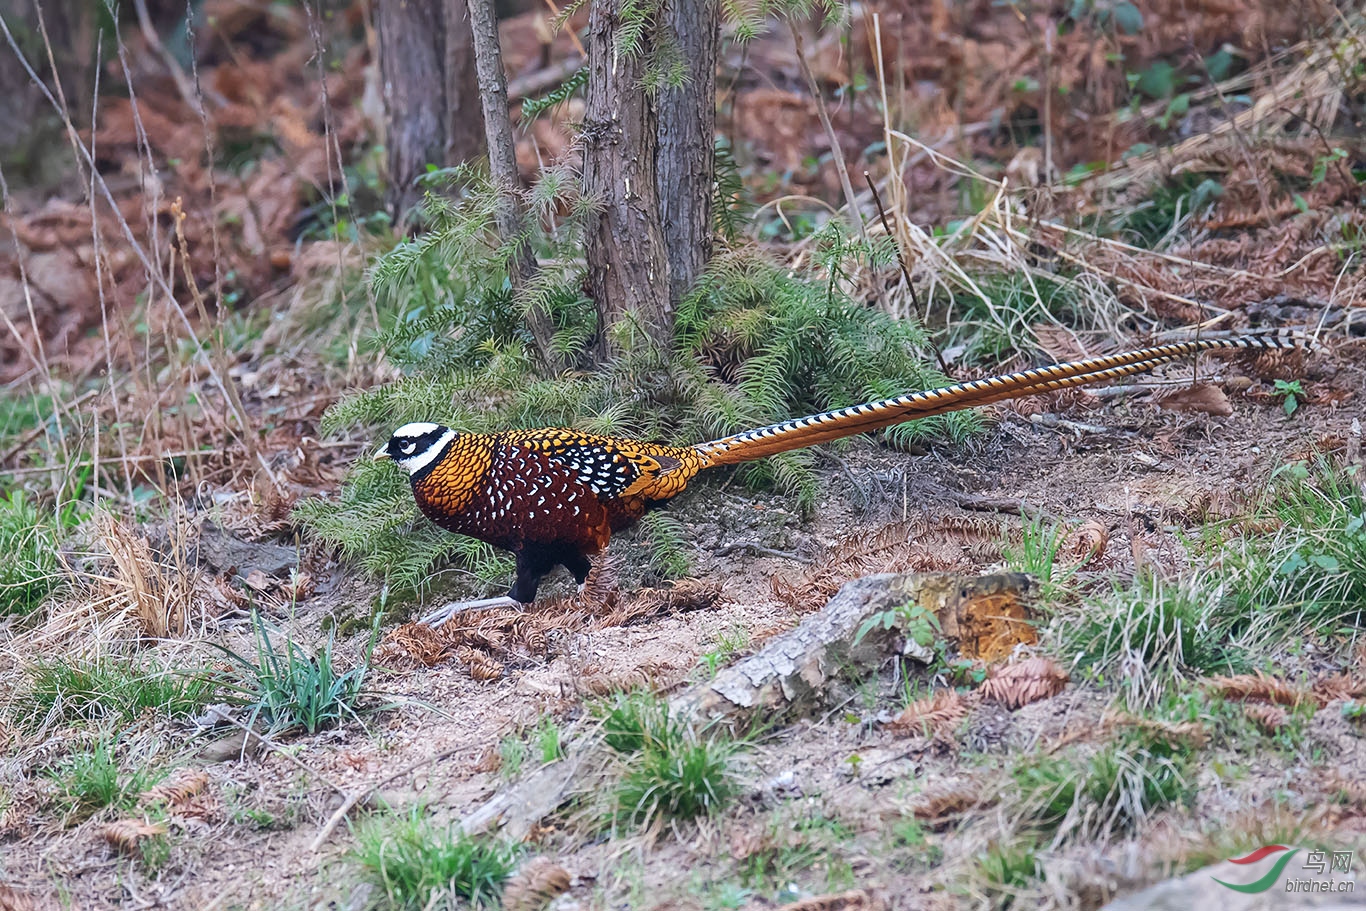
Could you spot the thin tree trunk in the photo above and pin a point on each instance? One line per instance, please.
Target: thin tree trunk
(464, 118)
(510, 216)
(628, 269)
(28, 126)
(412, 51)
(687, 143)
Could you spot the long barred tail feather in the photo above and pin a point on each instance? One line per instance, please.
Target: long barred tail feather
(799, 433)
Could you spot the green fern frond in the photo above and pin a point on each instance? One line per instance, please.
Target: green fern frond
(668, 545)
(535, 107)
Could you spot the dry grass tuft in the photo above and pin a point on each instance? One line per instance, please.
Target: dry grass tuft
(159, 596)
(1019, 684)
(539, 882)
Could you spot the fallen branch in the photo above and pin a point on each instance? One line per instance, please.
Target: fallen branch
(789, 673)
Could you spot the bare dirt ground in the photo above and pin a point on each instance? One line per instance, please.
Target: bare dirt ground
(1135, 469)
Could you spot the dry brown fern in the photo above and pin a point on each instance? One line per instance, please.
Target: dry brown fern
(1339, 686)
(1259, 687)
(127, 835)
(935, 715)
(853, 900)
(1019, 684)
(938, 805)
(1270, 719)
(538, 882)
(482, 668)
(1192, 734)
(178, 790)
(11, 899)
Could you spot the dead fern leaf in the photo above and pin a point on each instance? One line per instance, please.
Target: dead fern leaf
(482, 668)
(535, 885)
(416, 642)
(1258, 687)
(490, 761)
(11, 899)
(1019, 684)
(1271, 719)
(853, 900)
(645, 676)
(127, 835)
(934, 715)
(937, 804)
(177, 791)
(1087, 542)
(1187, 733)
(1339, 686)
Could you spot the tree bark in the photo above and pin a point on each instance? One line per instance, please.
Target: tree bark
(412, 49)
(628, 268)
(427, 60)
(465, 119)
(509, 213)
(29, 127)
(687, 143)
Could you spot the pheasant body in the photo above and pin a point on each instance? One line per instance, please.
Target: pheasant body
(555, 496)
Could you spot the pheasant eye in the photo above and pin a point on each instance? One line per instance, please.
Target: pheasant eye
(408, 447)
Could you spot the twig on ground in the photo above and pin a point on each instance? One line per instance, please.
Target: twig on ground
(836, 152)
(355, 797)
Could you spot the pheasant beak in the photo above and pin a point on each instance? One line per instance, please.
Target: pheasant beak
(381, 454)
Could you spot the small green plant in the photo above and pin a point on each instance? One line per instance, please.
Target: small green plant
(670, 772)
(30, 571)
(1289, 392)
(416, 864)
(1037, 554)
(87, 782)
(1005, 870)
(108, 690)
(512, 752)
(1112, 790)
(727, 645)
(918, 623)
(548, 743)
(288, 687)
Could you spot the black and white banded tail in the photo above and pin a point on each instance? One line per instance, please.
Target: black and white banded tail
(833, 425)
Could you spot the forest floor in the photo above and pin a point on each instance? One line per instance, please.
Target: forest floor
(1135, 510)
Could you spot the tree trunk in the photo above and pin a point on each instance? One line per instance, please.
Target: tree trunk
(628, 269)
(465, 118)
(430, 91)
(687, 143)
(412, 54)
(511, 219)
(29, 127)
